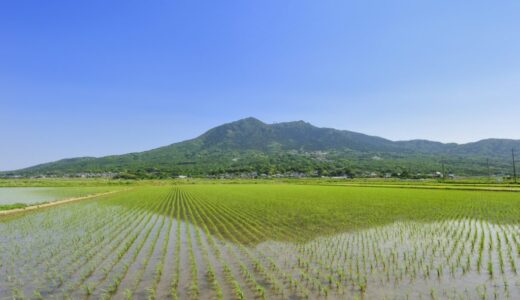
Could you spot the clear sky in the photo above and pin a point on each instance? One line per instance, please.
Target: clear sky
(91, 78)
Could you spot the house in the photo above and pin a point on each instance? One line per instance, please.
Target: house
(437, 174)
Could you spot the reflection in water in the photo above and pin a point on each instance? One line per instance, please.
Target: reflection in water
(173, 245)
(25, 195)
(33, 195)
(452, 259)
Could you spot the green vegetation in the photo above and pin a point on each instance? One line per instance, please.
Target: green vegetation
(95, 182)
(318, 210)
(64, 182)
(12, 206)
(250, 147)
(266, 241)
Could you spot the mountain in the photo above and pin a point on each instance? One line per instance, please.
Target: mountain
(249, 145)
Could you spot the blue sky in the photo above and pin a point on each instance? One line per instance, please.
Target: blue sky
(91, 78)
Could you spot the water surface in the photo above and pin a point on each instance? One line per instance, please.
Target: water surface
(26, 195)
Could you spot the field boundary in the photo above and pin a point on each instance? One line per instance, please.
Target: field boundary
(429, 187)
(54, 203)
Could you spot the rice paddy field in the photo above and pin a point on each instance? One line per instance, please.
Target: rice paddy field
(19, 197)
(266, 241)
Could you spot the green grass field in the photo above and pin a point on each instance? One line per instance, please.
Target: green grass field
(266, 241)
(327, 210)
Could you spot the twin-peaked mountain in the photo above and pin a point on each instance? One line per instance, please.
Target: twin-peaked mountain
(249, 146)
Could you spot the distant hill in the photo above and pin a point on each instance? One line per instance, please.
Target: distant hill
(249, 145)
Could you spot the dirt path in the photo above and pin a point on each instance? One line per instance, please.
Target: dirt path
(54, 203)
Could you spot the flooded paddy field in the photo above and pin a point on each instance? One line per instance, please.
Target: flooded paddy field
(34, 195)
(266, 242)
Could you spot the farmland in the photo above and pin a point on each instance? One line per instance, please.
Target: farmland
(21, 197)
(266, 241)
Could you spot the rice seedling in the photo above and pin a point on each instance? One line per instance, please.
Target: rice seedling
(266, 241)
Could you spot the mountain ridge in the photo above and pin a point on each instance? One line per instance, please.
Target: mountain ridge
(250, 145)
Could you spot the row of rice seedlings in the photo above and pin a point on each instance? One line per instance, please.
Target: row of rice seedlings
(12, 281)
(50, 275)
(75, 221)
(292, 282)
(84, 222)
(15, 236)
(89, 239)
(96, 243)
(358, 270)
(282, 231)
(142, 226)
(62, 231)
(114, 229)
(466, 266)
(258, 229)
(111, 287)
(116, 239)
(22, 230)
(510, 250)
(117, 279)
(302, 269)
(515, 241)
(317, 283)
(252, 227)
(159, 267)
(174, 285)
(56, 252)
(414, 252)
(119, 276)
(152, 245)
(318, 272)
(210, 270)
(463, 264)
(449, 251)
(226, 224)
(228, 274)
(103, 242)
(193, 289)
(237, 289)
(395, 257)
(95, 258)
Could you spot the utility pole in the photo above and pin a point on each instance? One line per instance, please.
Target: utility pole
(514, 166)
(443, 172)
